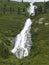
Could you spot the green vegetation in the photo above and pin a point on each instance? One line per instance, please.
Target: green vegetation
(11, 23)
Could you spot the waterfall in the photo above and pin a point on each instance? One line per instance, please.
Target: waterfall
(23, 41)
(31, 9)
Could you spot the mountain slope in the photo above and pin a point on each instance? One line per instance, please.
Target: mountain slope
(11, 25)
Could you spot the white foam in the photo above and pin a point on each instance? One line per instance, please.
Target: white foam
(31, 9)
(23, 41)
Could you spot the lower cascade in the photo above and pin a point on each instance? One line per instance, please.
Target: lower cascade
(23, 41)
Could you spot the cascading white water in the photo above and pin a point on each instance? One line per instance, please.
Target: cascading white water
(31, 9)
(23, 41)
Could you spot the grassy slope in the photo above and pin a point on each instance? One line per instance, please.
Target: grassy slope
(10, 25)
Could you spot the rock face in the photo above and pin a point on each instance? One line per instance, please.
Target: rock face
(46, 24)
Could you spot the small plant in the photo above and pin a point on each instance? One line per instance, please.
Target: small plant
(4, 51)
